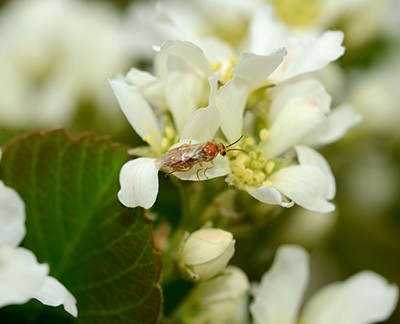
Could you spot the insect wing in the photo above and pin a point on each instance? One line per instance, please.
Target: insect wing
(180, 158)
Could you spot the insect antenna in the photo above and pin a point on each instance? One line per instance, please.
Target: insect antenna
(236, 149)
(235, 142)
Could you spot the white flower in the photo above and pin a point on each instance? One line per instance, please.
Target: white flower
(246, 26)
(364, 298)
(299, 115)
(184, 82)
(12, 217)
(247, 75)
(186, 20)
(21, 276)
(55, 55)
(309, 184)
(138, 178)
(306, 52)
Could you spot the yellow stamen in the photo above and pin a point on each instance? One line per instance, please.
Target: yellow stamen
(270, 166)
(165, 144)
(250, 141)
(267, 183)
(264, 135)
(170, 132)
(147, 139)
(259, 176)
(216, 66)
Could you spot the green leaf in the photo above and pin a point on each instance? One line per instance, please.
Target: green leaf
(101, 251)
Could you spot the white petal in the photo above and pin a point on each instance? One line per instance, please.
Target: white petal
(309, 87)
(266, 33)
(231, 101)
(306, 185)
(12, 217)
(341, 119)
(186, 51)
(221, 169)
(230, 284)
(309, 53)
(202, 125)
(171, 27)
(20, 275)
(364, 298)
(269, 195)
(205, 245)
(308, 156)
(300, 117)
(306, 53)
(218, 51)
(138, 111)
(255, 69)
(319, 52)
(151, 87)
(139, 183)
(278, 297)
(53, 293)
(185, 89)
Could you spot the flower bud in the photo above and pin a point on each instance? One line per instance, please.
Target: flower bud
(221, 300)
(205, 253)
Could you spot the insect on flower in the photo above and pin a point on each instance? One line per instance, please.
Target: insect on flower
(186, 156)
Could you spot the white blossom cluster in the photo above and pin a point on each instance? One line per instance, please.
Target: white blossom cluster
(203, 87)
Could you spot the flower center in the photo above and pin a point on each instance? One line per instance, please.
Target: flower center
(169, 138)
(226, 69)
(232, 28)
(252, 170)
(297, 13)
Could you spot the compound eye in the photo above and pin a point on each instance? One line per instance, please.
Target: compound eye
(223, 153)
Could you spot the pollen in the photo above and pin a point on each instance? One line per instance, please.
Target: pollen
(267, 183)
(270, 167)
(147, 139)
(264, 135)
(252, 170)
(227, 72)
(243, 159)
(165, 144)
(247, 170)
(250, 141)
(170, 132)
(259, 176)
(216, 66)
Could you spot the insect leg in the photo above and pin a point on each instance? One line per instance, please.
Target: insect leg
(180, 170)
(201, 168)
(208, 168)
